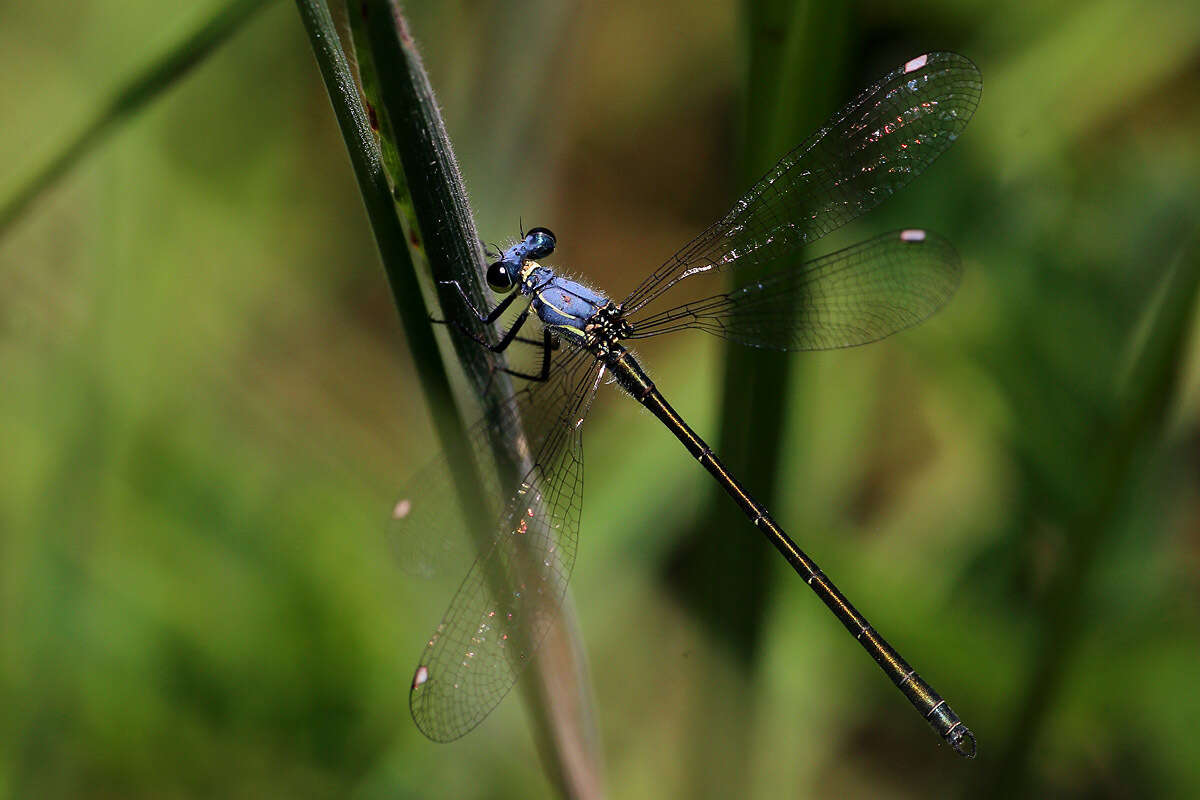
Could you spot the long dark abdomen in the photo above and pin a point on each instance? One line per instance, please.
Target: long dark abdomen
(634, 380)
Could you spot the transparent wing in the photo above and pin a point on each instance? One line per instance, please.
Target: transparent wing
(429, 532)
(857, 295)
(512, 593)
(865, 153)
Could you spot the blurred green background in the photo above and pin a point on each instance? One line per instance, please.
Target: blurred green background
(207, 410)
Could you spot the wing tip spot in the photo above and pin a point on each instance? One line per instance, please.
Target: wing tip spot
(420, 676)
(912, 235)
(403, 507)
(915, 64)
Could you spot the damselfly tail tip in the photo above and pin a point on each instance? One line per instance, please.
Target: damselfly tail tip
(963, 741)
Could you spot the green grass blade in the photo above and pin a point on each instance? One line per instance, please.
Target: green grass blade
(147, 85)
(390, 236)
(423, 211)
(1143, 411)
(785, 42)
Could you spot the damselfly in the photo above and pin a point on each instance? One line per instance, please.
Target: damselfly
(867, 151)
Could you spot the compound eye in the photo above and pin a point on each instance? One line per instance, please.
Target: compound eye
(540, 242)
(499, 278)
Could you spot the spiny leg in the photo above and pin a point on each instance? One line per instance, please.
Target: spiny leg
(465, 331)
(509, 336)
(489, 317)
(548, 343)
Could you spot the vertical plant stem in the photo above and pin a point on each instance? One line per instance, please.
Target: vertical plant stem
(130, 99)
(1143, 413)
(426, 192)
(390, 236)
(725, 583)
